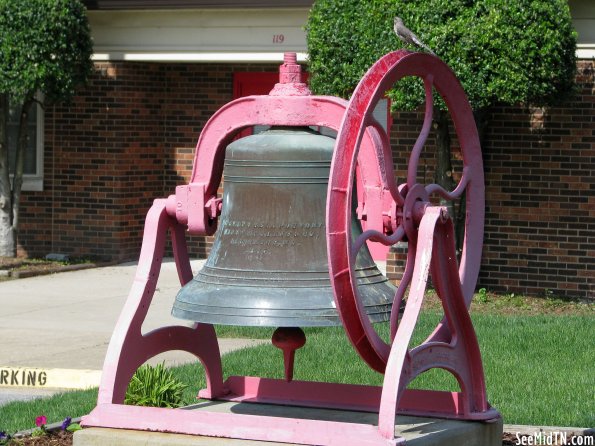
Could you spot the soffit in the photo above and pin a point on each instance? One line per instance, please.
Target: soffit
(207, 34)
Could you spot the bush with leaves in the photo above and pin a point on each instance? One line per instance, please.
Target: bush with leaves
(502, 51)
(154, 386)
(45, 48)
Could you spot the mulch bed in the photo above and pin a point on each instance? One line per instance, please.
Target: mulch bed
(60, 438)
(19, 268)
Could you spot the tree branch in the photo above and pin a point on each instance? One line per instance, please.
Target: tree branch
(38, 102)
(7, 239)
(17, 181)
(4, 166)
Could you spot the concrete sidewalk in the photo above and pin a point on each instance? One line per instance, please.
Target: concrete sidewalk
(61, 324)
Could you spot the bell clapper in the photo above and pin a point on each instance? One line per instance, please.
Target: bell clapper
(288, 339)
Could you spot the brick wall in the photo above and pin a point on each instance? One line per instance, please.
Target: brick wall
(126, 139)
(540, 178)
(97, 150)
(540, 194)
(129, 137)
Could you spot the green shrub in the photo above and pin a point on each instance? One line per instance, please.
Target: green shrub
(45, 49)
(154, 386)
(501, 50)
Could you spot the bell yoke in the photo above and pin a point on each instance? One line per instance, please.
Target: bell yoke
(292, 230)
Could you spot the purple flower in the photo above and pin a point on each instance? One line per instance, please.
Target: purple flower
(41, 421)
(66, 423)
(3, 435)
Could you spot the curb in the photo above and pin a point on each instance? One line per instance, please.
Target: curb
(41, 378)
(53, 427)
(23, 274)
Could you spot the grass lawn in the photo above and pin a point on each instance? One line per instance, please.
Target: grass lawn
(538, 360)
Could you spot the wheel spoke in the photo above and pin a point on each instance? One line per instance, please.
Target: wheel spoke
(385, 159)
(423, 135)
(410, 201)
(400, 294)
(376, 236)
(456, 193)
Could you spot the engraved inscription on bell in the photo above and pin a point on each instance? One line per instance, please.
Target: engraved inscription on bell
(268, 236)
(263, 239)
(271, 237)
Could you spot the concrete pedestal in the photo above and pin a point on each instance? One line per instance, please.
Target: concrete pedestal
(417, 431)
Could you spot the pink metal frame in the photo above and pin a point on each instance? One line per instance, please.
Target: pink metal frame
(395, 213)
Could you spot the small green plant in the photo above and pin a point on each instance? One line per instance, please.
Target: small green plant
(516, 301)
(482, 296)
(68, 425)
(154, 386)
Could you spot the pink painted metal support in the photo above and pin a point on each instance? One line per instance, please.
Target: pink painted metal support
(391, 213)
(289, 104)
(129, 348)
(429, 233)
(362, 398)
(381, 76)
(234, 425)
(461, 355)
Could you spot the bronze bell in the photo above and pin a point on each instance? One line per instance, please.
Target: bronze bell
(268, 265)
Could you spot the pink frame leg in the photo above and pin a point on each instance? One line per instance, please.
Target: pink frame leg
(129, 348)
(460, 355)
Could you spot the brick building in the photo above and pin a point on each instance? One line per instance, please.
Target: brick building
(129, 137)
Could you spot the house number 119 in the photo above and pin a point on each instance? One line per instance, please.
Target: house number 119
(278, 38)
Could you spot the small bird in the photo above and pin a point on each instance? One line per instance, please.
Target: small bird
(407, 36)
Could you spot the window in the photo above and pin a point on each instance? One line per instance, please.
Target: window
(33, 162)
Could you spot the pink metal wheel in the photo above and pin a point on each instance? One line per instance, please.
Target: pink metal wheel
(408, 202)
